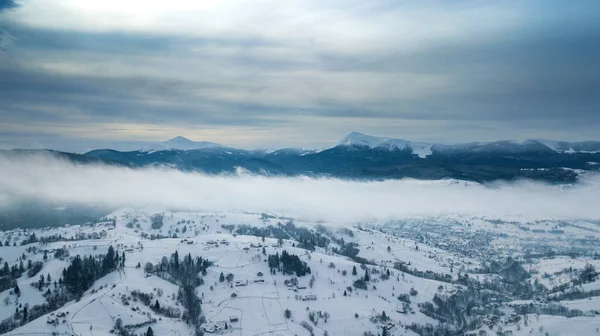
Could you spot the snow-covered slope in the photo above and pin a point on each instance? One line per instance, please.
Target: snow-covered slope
(423, 149)
(359, 139)
(257, 300)
(572, 147)
(180, 143)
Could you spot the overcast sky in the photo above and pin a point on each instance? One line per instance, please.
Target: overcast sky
(77, 75)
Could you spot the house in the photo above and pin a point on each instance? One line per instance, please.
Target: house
(309, 297)
(233, 318)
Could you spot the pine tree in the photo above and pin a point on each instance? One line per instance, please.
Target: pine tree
(176, 260)
(221, 277)
(354, 270)
(149, 332)
(45, 255)
(367, 277)
(157, 306)
(17, 290)
(108, 264)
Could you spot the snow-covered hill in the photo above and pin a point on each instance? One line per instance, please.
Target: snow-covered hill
(413, 264)
(359, 139)
(423, 149)
(180, 143)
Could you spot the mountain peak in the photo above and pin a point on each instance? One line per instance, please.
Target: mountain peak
(180, 143)
(361, 139)
(179, 140)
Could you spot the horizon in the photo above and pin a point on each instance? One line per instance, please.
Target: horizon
(143, 145)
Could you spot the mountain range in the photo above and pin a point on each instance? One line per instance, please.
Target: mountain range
(361, 156)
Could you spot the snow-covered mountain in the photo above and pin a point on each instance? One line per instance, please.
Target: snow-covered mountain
(180, 143)
(423, 149)
(359, 139)
(362, 156)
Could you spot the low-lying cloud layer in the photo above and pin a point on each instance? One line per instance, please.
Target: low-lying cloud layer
(332, 200)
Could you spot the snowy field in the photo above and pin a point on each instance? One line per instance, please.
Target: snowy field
(255, 301)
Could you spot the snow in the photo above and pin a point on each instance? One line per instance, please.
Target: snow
(423, 149)
(179, 143)
(260, 306)
(567, 147)
(359, 139)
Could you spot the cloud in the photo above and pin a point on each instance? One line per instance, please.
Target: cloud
(264, 68)
(7, 4)
(333, 200)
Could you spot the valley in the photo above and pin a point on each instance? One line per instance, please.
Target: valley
(448, 275)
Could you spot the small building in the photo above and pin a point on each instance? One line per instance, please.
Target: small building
(309, 297)
(233, 318)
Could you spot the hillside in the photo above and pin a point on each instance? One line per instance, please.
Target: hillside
(418, 271)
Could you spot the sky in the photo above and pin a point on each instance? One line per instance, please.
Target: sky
(77, 75)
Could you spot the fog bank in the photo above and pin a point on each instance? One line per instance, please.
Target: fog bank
(333, 200)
